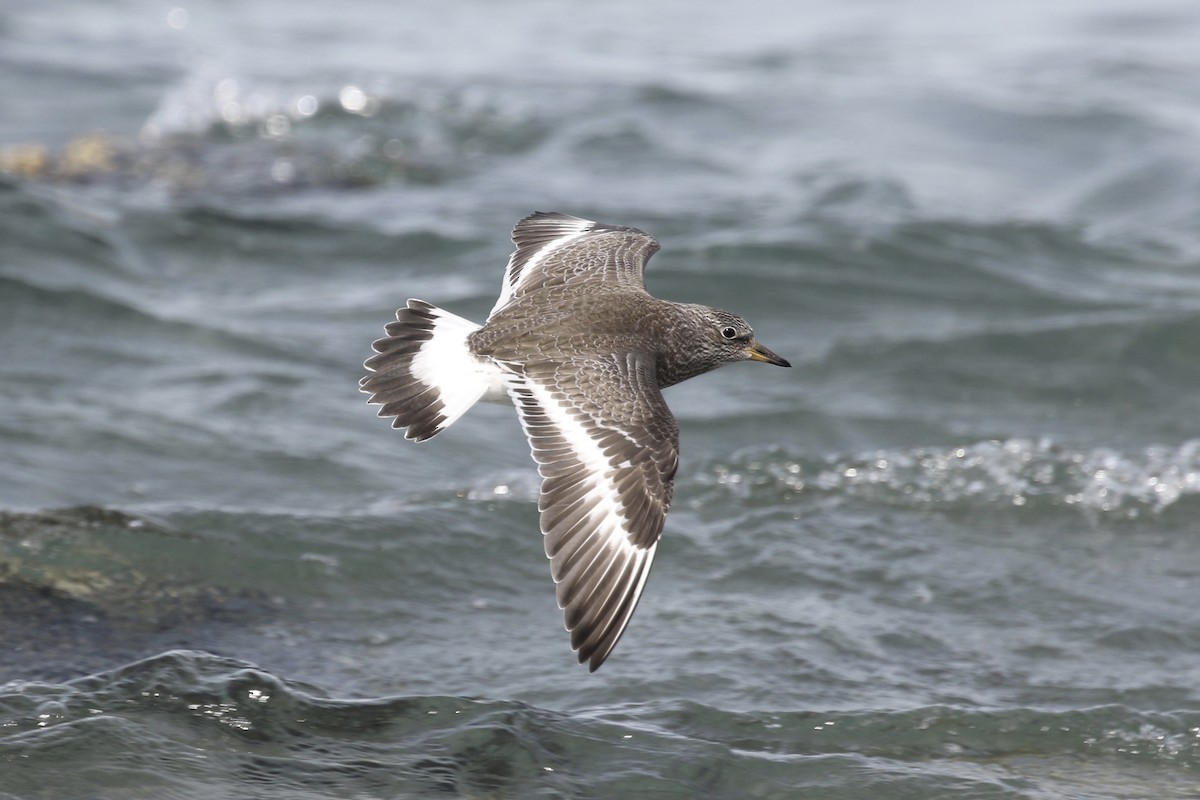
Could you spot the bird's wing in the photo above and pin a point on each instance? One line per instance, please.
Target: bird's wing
(607, 448)
(555, 249)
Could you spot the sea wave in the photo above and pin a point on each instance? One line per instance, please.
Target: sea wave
(192, 724)
(230, 135)
(1012, 473)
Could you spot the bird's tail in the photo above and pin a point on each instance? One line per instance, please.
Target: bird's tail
(423, 374)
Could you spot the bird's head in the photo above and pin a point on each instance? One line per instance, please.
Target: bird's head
(732, 339)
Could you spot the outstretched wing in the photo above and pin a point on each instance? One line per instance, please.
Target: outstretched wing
(554, 249)
(607, 448)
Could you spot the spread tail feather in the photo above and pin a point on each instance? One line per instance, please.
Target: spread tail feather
(424, 374)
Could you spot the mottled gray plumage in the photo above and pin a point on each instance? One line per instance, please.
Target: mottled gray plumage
(583, 351)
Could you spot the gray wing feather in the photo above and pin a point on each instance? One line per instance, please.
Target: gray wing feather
(554, 249)
(606, 446)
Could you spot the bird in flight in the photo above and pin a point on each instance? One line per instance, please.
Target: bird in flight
(583, 351)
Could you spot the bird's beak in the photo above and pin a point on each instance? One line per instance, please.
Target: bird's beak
(757, 352)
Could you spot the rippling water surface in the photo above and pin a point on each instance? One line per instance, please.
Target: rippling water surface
(953, 552)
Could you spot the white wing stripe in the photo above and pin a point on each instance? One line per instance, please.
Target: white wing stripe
(608, 507)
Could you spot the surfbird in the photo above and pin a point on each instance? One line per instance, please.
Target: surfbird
(581, 349)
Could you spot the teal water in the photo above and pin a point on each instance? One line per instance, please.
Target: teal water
(952, 553)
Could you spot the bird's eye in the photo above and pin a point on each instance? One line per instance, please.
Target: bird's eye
(729, 332)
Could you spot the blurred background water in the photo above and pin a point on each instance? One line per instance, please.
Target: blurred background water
(952, 553)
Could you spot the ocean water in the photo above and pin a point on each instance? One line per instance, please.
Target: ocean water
(954, 552)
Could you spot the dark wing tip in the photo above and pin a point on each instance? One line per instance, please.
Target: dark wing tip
(598, 617)
(542, 218)
(551, 217)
